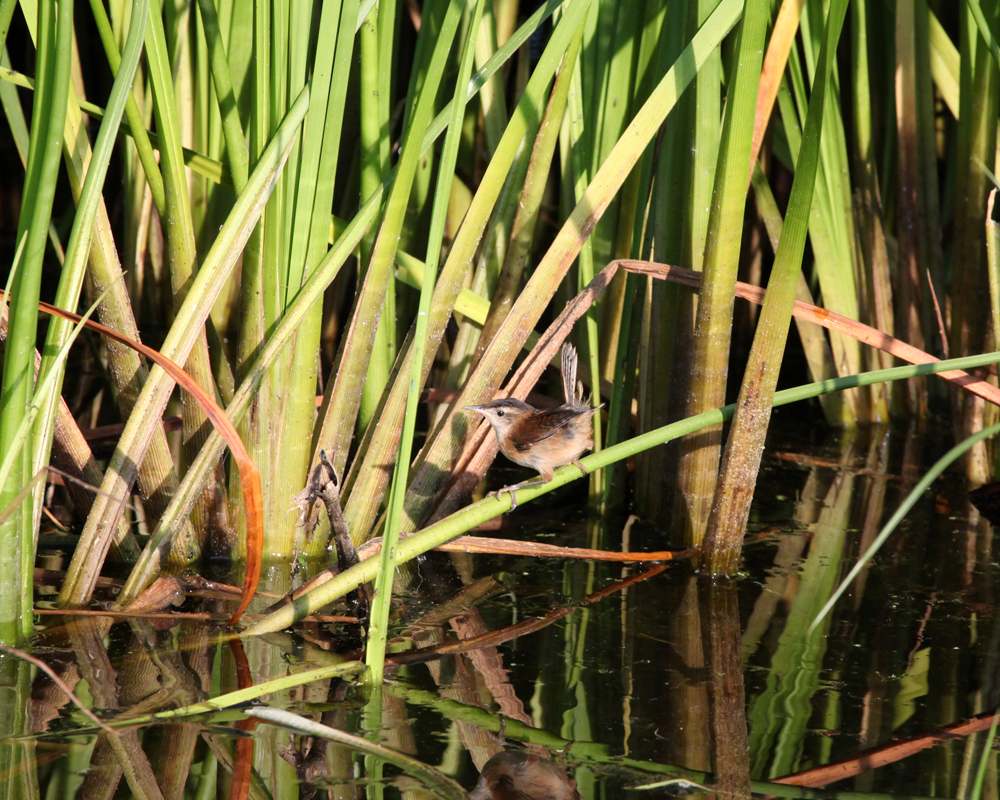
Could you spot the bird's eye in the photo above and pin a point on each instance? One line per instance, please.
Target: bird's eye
(500, 413)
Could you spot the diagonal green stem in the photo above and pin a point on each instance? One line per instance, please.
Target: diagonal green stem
(478, 513)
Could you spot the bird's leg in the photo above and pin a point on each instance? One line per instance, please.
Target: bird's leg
(576, 463)
(513, 488)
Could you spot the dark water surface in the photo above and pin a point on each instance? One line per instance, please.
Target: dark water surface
(622, 675)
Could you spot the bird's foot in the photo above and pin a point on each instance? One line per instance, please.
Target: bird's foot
(506, 490)
(510, 490)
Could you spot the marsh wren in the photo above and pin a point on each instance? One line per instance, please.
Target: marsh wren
(515, 775)
(546, 439)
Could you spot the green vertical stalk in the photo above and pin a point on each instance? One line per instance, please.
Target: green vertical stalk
(713, 325)
(340, 412)
(667, 329)
(236, 20)
(977, 136)
(44, 150)
(492, 100)
(487, 265)
(273, 85)
(375, 654)
(529, 204)
(705, 154)
(618, 31)
(286, 232)
(197, 79)
(375, 143)
(582, 145)
(912, 265)
(330, 133)
(657, 42)
(690, 160)
(81, 236)
(223, 138)
(180, 239)
(878, 303)
(253, 292)
(253, 296)
(741, 461)
(236, 151)
(137, 126)
(612, 104)
(831, 228)
(181, 337)
(583, 130)
(308, 201)
(367, 481)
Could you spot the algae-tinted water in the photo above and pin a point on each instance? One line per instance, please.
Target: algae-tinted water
(622, 675)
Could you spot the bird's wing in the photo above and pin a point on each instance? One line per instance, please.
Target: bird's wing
(551, 422)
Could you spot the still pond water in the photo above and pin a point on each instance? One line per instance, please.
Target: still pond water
(623, 676)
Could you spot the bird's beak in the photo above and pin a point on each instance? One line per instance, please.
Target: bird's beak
(472, 408)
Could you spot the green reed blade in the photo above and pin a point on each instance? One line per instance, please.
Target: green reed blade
(236, 152)
(82, 234)
(709, 365)
(745, 445)
(378, 629)
(135, 124)
(188, 321)
(48, 118)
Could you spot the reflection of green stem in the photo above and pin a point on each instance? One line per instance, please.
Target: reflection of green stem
(371, 720)
(434, 779)
(778, 717)
(984, 759)
(904, 507)
(17, 744)
(243, 695)
(576, 718)
(480, 512)
(582, 753)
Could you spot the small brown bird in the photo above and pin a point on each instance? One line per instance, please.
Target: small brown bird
(514, 775)
(542, 440)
